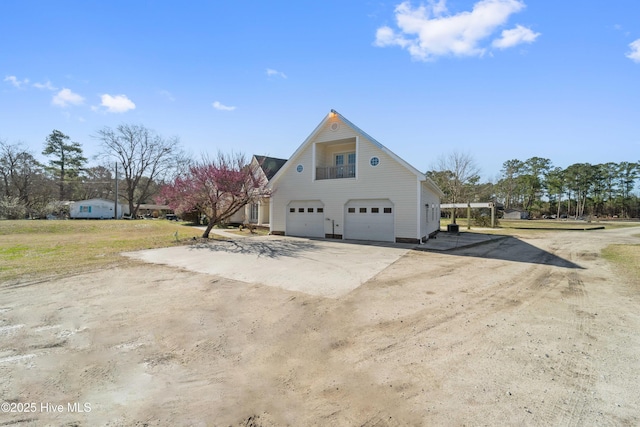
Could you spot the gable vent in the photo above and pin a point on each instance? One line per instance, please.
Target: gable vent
(334, 126)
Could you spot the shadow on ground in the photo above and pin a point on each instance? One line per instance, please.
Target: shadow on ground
(267, 249)
(510, 248)
(506, 248)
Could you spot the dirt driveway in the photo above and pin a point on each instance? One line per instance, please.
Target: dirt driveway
(535, 331)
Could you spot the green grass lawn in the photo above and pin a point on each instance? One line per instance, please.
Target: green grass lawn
(627, 257)
(31, 249)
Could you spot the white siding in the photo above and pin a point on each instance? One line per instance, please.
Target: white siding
(327, 134)
(430, 220)
(240, 216)
(389, 180)
(263, 211)
(95, 209)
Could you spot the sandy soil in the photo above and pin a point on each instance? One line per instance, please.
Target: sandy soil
(536, 331)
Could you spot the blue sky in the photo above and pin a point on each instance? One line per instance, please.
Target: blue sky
(499, 79)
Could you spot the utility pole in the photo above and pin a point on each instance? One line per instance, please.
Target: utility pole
(115, 211)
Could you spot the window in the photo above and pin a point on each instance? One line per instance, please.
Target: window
(310, 210)
(292, 209)
(340, 165)
(301, 210)
(387, 210)
(347, 170)
(363, 210)
(320, 210)
(375, 210)
(375, 161)
(352, 210)
(253, 215)
(299, 168)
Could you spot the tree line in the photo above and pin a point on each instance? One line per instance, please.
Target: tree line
(538, 187)
(149, 168)
(31, 189)
(156, 169)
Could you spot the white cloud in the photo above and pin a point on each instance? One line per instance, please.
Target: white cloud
(515, 37)
(167, 95)
(439, 8)
(634, 55)
(117, 103)
(428, 31)
(271, 72)
(46, 85)
(15, 82)
(66, 97)
(219, 106)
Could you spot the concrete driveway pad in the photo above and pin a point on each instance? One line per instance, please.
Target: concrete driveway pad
(316, 267)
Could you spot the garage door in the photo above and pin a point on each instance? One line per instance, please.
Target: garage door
(305, 219)
(369, 220)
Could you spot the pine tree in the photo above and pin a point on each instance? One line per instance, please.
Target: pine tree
(67, 159)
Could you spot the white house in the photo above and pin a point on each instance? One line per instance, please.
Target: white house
(95, 209)
(258, 212)
(341, 183)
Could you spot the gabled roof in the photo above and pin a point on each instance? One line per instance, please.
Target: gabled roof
(269, 165)
(333, 113)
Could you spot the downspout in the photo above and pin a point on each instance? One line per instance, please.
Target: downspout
(419, 211)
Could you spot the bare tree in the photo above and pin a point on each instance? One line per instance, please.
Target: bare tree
(21, 177)
(456, 174)
(97, 182)
(142, 154)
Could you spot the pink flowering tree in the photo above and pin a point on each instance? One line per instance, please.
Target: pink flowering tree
(217, 187)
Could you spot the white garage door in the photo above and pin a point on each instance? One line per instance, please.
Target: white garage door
(305, 219)
(369, 220)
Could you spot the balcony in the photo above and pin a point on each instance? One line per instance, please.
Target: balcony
(336, 172)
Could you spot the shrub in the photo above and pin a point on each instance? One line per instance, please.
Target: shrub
(12, 208)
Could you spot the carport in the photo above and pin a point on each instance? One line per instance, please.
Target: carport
(469, 206)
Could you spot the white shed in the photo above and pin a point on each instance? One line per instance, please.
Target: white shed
(96, 209)
(515, 214)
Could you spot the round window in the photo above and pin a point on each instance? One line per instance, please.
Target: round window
(300, 168)
(374, 161)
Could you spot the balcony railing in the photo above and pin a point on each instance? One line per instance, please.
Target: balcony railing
(336, 172)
